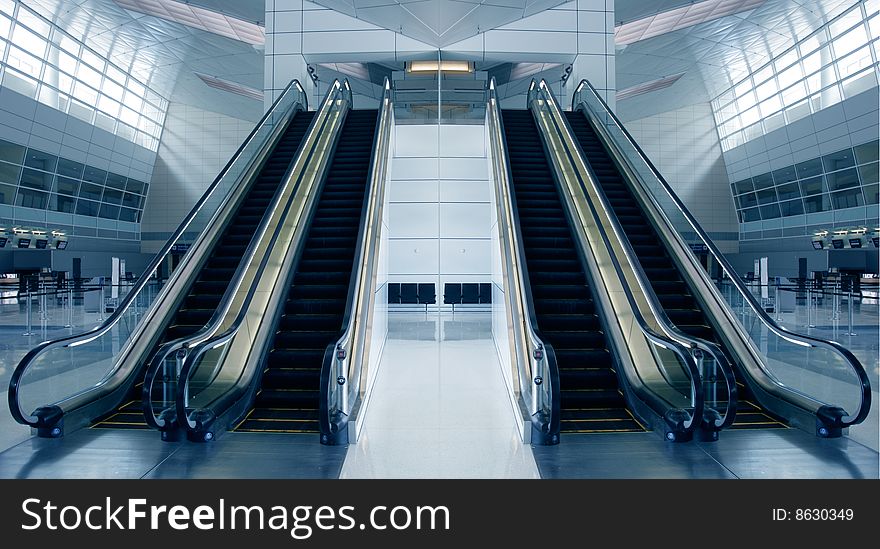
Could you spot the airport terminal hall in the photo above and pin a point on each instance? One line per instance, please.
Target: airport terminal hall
(439, 239)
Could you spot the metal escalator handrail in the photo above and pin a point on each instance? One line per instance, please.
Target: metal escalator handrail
(355, 333)
(682, 349)
(657, 309)
(793, 337)
(182, 345)
(549, 423)
(98, 331)
(193, 359)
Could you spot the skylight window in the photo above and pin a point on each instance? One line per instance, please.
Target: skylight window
(199, 18)
(679, 18)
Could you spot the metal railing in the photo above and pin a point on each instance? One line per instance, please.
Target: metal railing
(711, 362)
(170, 357)
(685, 350)
(343, 368)
(776, 355)
(222, 379)
(536, 366)
(122, 332)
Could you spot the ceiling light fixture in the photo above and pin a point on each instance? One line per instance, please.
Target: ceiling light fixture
(231, 87)
(648, 87)
(434, 66)
(199, 18)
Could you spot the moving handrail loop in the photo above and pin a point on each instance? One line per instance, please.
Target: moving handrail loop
(181, 347)
(767, 320)
(540, 382)
(695, 345)
(682, 349)
(192, 360)
(340, 385)
(114, 318)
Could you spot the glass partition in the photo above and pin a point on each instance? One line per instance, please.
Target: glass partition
(816, 375)
(658, 362)
(217, 369)
(66, 373)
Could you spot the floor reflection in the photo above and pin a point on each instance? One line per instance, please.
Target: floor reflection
(434, 326)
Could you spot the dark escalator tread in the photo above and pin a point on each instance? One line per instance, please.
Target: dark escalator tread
(600, 420)
(279, 420)
(674, 294)
(564, 308)
(127, 416)
(750, 416)
(317, 296)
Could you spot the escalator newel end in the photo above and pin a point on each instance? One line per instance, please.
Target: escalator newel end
(203, 431)
(675, 430)
(50, 421)
(829, 422)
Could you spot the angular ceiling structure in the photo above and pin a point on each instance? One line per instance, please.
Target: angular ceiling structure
(666, 38)
(439, 23)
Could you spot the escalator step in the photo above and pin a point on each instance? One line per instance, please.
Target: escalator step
(318, 291)
(287, 398)
(315, 306)
(304, 322)
(568, 322)
(306, 378)
(319, 277)
(565, 306)
(592, 398)
(584, 358)
(587, 378)
(295, 358)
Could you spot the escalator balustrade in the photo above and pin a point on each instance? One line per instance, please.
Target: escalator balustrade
(288, 398)
(204, 295)
(592, 401)
(674, 293)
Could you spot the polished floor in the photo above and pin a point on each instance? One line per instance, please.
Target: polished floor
(439, 407)
(439, 410)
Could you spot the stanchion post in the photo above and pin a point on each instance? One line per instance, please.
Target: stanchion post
(850, 306)
(28, 331)
(69, 307)
(101, 302)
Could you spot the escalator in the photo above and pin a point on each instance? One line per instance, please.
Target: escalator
(318, 291)
(591, 398)
(204, 295)
(675, 295)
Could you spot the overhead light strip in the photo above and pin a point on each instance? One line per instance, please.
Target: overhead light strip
(199, 18)
(679, 18)
(434, 66)
(231, 87)
(648, 87)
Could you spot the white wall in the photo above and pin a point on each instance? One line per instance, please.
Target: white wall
(439, 211)
(195, 146)
(299, 32)
(580, 33)
(683, 144)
